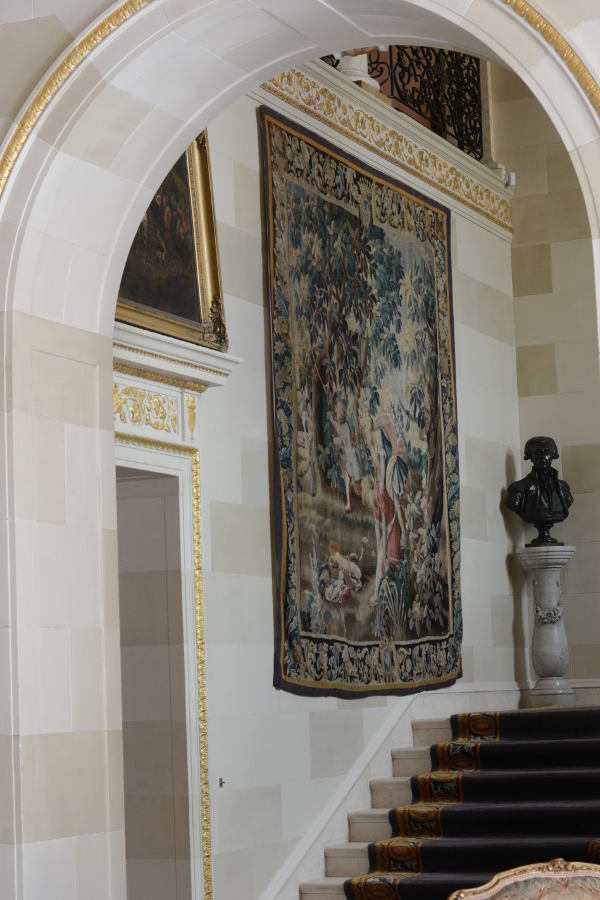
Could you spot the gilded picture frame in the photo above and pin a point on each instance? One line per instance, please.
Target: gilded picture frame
(171, 283)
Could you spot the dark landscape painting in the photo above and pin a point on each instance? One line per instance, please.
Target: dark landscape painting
(160, 273)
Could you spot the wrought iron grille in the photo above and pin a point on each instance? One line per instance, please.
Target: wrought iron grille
(441, 89)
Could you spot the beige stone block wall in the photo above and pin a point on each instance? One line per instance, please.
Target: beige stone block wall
(60, 711)
(556, 334)
(154, 715)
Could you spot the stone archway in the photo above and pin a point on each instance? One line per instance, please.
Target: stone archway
(132, 103)
(68, 211)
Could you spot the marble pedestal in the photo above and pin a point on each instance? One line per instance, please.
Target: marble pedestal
(550, 648)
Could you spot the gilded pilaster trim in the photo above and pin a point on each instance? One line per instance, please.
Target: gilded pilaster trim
(194, 455)
(190, 403)
(578, 69)
(60, 74)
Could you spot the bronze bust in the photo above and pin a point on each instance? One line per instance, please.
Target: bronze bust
(541, 498)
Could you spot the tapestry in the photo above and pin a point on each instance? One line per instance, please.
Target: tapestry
(366, 468)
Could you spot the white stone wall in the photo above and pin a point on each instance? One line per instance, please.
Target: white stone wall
(283, 756)
(556, 334)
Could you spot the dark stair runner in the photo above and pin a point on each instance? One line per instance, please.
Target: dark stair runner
(510, 789)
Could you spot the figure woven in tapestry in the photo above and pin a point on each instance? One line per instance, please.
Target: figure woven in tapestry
(367, 485)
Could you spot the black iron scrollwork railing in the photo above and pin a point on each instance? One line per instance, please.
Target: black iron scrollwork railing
(439, 88)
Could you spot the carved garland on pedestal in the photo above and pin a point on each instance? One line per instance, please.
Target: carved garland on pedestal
(548, 615)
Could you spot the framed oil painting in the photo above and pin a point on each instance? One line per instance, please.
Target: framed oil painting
(366, 449)
(171, 282)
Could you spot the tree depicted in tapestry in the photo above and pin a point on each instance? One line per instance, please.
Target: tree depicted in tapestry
(367, 486)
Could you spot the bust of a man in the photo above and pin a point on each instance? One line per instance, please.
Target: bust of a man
(541, 498)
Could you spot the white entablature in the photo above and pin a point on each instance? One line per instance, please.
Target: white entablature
(157, 380)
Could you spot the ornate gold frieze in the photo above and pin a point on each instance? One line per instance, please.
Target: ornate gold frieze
(319, 102)
(194, 457)
(136, 406)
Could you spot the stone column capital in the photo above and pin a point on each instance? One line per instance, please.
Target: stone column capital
(550, 556)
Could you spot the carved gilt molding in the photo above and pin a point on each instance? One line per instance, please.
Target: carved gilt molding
(320, 102)
(137, 406)
(578, 69)
(169, 360)
(190, 405)
(60, 74)
(147, 375)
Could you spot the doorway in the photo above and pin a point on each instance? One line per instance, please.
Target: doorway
(161, 750)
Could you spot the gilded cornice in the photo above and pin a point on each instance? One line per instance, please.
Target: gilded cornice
(148, 375)
(60, 74)
(320, 102)
(580, 72)
(190, 385)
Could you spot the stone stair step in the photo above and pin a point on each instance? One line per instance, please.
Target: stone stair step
(322, 889)
(348, 859)
(407, 761)
(431, 731)
(390, 792)
(369, 825)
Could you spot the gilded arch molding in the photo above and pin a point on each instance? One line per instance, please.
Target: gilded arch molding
(118, 17)
(57, 78)
(582, 75)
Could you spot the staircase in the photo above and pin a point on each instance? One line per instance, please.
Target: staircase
(495, 791)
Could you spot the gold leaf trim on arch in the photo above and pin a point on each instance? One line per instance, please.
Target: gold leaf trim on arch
(576, 66)
(194, 456)
(312, 98)
(60, 74)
